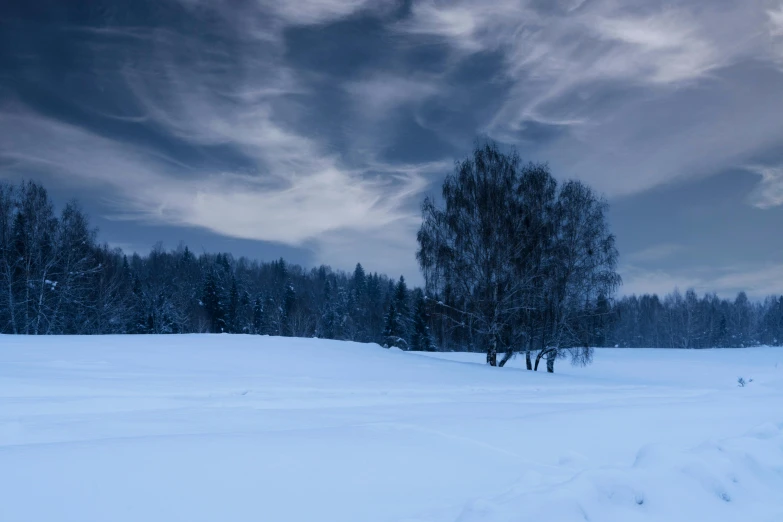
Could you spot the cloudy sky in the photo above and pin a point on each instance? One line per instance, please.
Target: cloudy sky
(312, 129)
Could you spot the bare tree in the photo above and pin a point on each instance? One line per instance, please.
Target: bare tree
(111, 297)
(580, 268)
(468, 247)
(34, 260)
(536, 194)
(8, 259)
(71, 284)
(524, 262)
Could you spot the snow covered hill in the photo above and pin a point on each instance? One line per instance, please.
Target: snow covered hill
(235, 428)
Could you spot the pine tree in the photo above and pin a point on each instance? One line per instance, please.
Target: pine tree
(420, 339)
(245, 314)
(140, 318)
(359, 311)
(389, 327)
(359, 281)
(212, 304)
(375, 309)
(392, 331)
(258, 315)
(271, 318)
(328, 319)
(345, 328)
(289, 304)
(233, 308)
(403, 310)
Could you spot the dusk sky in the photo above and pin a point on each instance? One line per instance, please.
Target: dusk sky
(312, 129)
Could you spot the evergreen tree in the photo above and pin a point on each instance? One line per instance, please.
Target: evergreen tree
(375, 309)
(393, 329)
(258, 315)
(359, 281)
(245, 314)
(270, 317)
(213, 305)
(390, 327)
(346, 327)
(233, 308)
(421, 340)
(289, 304)
(600, 319)
(403, 310)
(359, 310)
(328, 319)
(140, 318)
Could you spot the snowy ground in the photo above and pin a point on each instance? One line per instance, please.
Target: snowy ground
(218, 428)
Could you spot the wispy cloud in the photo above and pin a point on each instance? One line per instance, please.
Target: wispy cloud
(578, 44)
(266, 19)
(776, 30)
(630, 85)
(664, 48)
(769, 192)
(656, 253)
(309, 12)
(296, 207)
(637, 281)
(232, 93)
(381, 93)
(776, 20)
(758, 280)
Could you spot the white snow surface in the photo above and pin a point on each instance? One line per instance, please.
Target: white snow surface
(239, 428)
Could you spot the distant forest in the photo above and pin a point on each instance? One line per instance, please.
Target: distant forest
(56, 278)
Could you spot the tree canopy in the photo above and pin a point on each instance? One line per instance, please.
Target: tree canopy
(516, 261)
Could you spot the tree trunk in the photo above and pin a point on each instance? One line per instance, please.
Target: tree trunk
(492, 357)
(27, 286)
(40, 310)
(541, 353)
(11, 302)
(507, 357)
(550, 361)
(538, 358)
(528, 362)
(492, 352)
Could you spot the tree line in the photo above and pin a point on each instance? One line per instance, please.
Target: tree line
(513, 263)
(56, 278)
(687, 321)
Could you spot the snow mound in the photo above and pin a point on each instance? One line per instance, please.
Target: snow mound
(735, 479)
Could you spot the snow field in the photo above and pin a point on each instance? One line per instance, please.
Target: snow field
(214, 428)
